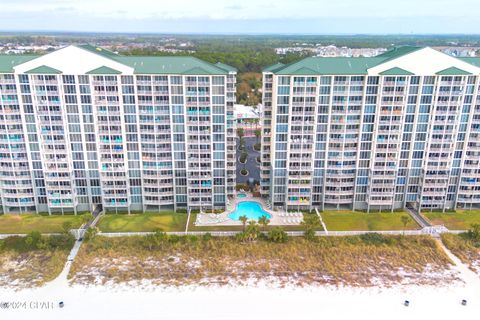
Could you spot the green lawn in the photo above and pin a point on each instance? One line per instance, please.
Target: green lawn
(360, 221)
(143, 222)
(459, 220)
(25, 223)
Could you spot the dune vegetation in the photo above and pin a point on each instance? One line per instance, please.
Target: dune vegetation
(466, 246)
(159, 259)
(33, 260)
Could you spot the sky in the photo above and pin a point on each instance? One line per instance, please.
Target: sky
(243, 16)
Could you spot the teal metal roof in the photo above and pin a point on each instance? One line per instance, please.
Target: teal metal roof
(274, 67)
(97, 50)
(353, 66)
(396, 71)
(398, 52)
(472, 60)
(44, 70)
(163, 64)
(452, 71)
(226, 67)
(104, 70)
(8, 61)
(183, 65)
(170, 65)
(327, 66)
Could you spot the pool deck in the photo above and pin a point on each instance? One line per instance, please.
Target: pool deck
(279, 218)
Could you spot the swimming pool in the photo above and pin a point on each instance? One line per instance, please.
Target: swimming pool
(241, 195)
(253, 210)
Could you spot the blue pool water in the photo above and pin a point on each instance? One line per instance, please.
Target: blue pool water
(241, 195)
(253, 211)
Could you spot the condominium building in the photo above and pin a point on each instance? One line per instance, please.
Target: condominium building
(401, 129)
(83, 126)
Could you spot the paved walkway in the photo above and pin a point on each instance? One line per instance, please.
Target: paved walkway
(418, 217)
(75, 249)
(321, 221)
(467, 275)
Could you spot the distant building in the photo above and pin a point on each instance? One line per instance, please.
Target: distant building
(399, 129)
(247, 118)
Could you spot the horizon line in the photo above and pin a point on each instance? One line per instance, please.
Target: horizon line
(234, 33)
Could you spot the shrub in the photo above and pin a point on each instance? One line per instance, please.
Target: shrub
(241, 237)
(86, 217)
(309, 234)
(181, 210)
(34, 240)
(207, 236)
(257, 146)
(473, 234)
(61, 242)
(173, 238)
(192, 238)
(90, 233)
(373, 238)
(244, 172)
(240, 186)
(278, 235)
(243, 157)
(154, 241)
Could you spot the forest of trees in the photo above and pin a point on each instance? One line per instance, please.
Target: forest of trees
(244, 58)
(249, 58)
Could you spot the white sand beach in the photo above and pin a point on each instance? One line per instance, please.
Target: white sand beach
(249, 302)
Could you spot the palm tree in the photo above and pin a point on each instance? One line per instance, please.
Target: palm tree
(252, 230)
(86, 217)
(240, 133)
(310, 223)
(243, 219)
(405, 220)
(264, 221)
(258, 133)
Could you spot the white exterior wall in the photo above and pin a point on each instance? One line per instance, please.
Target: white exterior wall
(122, 141)
(417, 144)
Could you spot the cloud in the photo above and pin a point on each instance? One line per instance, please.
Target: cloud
(233, 7)
(311, 16)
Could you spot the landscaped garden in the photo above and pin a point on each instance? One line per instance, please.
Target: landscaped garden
(171, 260)
(25, 223)
(455, 220)
(143, 222)
(373, 221)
